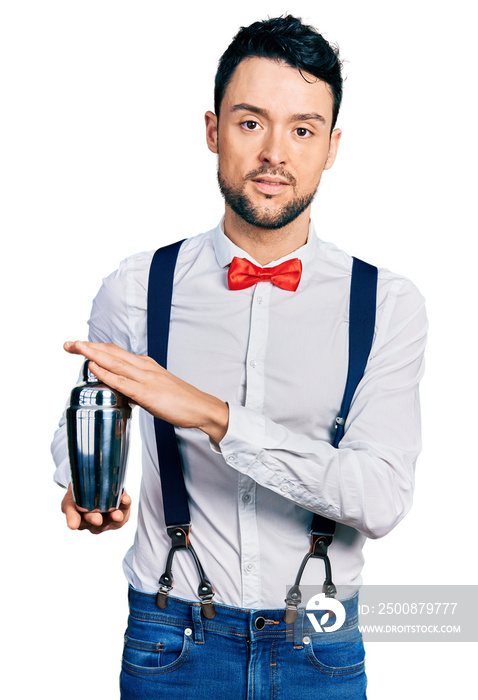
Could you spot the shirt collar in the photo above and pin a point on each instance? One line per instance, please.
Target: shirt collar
(226, 250)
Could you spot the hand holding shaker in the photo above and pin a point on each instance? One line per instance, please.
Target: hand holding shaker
(97, 422)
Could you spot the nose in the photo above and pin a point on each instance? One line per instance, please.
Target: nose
(273, 148)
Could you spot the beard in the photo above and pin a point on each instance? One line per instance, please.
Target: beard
(265, 218)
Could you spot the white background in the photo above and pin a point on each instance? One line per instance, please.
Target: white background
(103, 155)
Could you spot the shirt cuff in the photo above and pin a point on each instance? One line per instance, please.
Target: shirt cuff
(245, 448)
(244, 439)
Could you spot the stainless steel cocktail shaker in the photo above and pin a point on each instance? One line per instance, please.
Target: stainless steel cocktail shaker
(97, 422)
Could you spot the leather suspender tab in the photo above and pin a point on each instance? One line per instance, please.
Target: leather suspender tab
(179, 535)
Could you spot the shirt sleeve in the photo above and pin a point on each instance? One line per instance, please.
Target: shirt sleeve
(109, 323)
(367, 482)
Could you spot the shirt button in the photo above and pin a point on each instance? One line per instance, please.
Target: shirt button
(259, 300)
(285, 487)
(230, 459)
(249, 567)
(253, 364)
(246, 498)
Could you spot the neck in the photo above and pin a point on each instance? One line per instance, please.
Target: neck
(266, 245)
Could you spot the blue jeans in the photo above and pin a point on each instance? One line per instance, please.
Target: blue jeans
(177, 654)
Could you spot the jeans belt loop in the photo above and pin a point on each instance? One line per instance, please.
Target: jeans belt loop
(298, 629)
(197, 623)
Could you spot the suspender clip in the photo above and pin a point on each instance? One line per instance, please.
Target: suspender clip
(162, 595)
(206, 594)
(292, 601)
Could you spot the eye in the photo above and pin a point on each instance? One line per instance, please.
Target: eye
(250, 125)
(303, 132)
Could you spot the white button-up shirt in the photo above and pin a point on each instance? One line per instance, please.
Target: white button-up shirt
(279, 358)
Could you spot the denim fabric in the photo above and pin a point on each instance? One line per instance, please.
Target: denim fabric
(177, 654)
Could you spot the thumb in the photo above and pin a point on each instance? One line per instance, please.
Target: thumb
(68, 507)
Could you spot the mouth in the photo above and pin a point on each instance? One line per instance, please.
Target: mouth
(270, 185)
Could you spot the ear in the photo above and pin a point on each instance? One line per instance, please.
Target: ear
(333, 148)
(211, 131)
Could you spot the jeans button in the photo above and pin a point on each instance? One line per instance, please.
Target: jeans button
(259, 623)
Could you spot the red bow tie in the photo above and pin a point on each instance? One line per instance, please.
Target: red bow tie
(243, 273)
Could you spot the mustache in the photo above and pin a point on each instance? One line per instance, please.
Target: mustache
(274, 172)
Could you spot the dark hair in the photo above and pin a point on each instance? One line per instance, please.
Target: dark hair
(287, 39)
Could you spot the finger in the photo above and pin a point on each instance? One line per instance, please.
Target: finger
(116, 516)
(102, 352)
(72, 347)
(73, 518)
(94, 521)
(121, 514)
(93, 518)
(125, 501)
(111, 364)
(108, 363)
(68, 507)
(111, 521)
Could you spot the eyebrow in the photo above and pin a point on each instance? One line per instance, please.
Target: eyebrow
(307, 117)
(243, 107)
(299, 117)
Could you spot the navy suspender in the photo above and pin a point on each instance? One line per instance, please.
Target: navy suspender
(175, 500)
(362, 307)
(363, 302)
(160, 292)
(176, 510)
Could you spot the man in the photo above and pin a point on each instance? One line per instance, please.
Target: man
(254, 383)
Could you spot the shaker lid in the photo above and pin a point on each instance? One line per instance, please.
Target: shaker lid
(92, 392)
(88, 375)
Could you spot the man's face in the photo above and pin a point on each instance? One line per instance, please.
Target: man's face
(273, 141)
